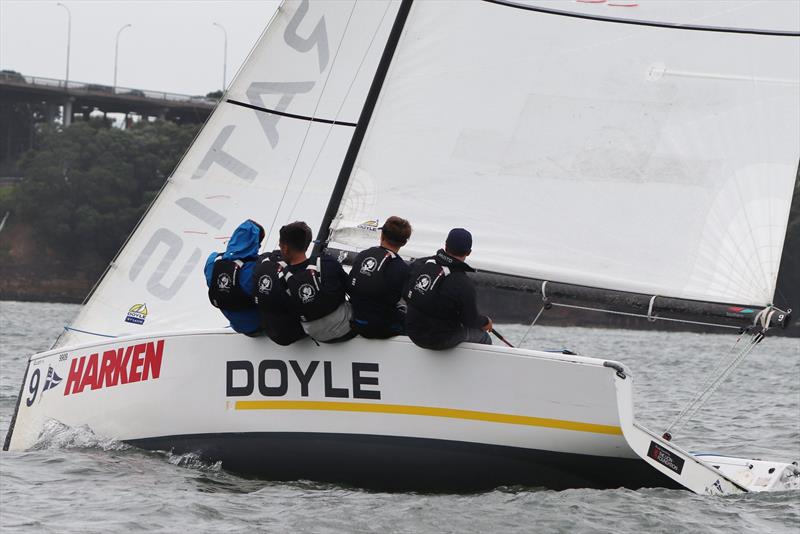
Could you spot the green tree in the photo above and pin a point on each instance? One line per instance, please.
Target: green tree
(87, 185)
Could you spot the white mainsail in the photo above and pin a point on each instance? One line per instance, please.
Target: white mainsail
(635, 156)
(315, 60)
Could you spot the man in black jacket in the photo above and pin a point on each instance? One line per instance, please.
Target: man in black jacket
(442, 307)
(316, 287)
(377, 280)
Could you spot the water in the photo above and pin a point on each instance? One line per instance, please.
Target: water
(73, 481)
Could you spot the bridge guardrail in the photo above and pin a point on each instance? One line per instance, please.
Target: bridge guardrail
(94, 88)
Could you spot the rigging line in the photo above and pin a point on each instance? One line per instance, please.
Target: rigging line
(640, 22)
(706, 394)
(629, 314)
(290, 115)
(70, 329)
(709, 379)
(308, 127)
(341, 106)
(528, 331)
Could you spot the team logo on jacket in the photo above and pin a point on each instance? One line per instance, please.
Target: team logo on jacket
(265, 284)
(307, 293)
(224, 282)
(423, 283)
(136, 314)
(368, 266)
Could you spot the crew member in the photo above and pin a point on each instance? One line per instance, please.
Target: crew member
(316, 287)
(269, 293)
(442, 307)
(377, 280)
(229, 276)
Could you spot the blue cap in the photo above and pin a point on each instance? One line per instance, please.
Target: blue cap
(459, 241)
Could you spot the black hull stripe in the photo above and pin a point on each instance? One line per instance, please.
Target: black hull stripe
(635, 22)
(290, 115)
(405, 463)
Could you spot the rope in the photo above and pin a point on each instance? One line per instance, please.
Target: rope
(711, 385)
(645, 316)
(528, 331)
(70, 329)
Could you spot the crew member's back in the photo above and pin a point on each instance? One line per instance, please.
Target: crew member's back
(280, 322)
(316, 287)
(442, 301)
(229, 276)
(377, 280)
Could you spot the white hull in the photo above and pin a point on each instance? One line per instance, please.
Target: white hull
(381, 414)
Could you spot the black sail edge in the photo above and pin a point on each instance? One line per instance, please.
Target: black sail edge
(662, 308)
(363, 121)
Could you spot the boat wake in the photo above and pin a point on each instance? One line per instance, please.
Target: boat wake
(57, 435)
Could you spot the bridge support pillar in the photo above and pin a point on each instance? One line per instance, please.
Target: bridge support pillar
(67, 118)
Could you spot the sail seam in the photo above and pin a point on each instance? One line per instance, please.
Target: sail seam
(639, 22)
(291, 115)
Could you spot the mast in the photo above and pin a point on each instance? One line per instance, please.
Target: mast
(361, 129)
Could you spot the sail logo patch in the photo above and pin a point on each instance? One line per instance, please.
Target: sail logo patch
(265, 284)
(368, 266)
(665, 457)
(370, 226)
(117, 366)
(136, 314)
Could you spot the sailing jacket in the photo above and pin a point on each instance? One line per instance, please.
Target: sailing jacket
(442, 303)
(316, 286)
(377, 280)
(242, 246)
(273, 301)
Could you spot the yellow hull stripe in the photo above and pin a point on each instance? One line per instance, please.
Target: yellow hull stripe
(450, 413)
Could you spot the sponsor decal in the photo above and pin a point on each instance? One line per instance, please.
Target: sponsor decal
(117, 366)
(368, 266)
(737, 311)
(371, 226)
(272, 378)
(665, 457)
(136, 314)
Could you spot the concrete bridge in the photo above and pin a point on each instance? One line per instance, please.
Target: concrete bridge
(64, 100)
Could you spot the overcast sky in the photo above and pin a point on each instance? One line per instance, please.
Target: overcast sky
(172, 45)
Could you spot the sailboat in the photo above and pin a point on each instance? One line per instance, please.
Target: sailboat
(628, 157)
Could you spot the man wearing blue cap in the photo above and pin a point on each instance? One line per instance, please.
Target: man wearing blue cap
(442, 305)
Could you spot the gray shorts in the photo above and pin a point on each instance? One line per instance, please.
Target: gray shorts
(334, 325)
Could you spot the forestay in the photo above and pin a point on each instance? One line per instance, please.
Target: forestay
(650, 149)
(259, 156)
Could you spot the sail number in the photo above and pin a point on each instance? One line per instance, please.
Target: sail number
(33, 387)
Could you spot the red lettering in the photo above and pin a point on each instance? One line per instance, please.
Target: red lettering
(136, 365)
(75, 374)
(122, 364)
(152, 359)
(90, 376)
(107, 368)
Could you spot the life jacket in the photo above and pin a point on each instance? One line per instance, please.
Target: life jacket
(224, 291)
(423, 293)
(367, 280)
(269, 292)
(307, 293)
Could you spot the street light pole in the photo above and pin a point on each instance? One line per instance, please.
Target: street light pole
(224, 58)
(69, 38)
(116, 53)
